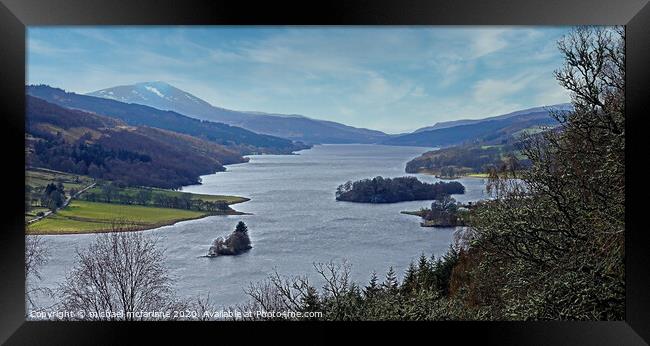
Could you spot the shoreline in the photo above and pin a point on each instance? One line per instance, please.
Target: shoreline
(136, 228)
(429, 223)
(470, 175)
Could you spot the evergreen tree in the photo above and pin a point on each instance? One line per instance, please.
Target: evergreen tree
(444, 268)
(425, 272)
(373, 287)
(53, 196)
(311, 302)
(410, 282)
(391, 284)
(241, 227)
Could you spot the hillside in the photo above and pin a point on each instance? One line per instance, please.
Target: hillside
(524, 112)
(296, 127)
(475, 147)
(239, 139)
(457, 161)
(89, 144)
(496, 131)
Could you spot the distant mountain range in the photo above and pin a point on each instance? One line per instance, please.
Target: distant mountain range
(295, 127)
(114, 137)
(525, 112)
(235, 138)
(158, 104)
(492, 130)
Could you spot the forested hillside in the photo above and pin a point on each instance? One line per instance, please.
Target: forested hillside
(239, 139)
(89, 144)
(497, 131)
(466, 159)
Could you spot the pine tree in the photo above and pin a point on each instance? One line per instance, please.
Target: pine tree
(241, 227)
(311, 302)
(410, 282)
(373, 287)
(424, 272)
(391, 283)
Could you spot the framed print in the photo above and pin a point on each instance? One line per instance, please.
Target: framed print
(455, 169)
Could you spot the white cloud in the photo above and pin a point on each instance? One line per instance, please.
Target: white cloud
(418, 91)
(362, 77)
(36, 46)
(486, 90)
(487, 41)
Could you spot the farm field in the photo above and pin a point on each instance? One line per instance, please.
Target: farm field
(91, 217)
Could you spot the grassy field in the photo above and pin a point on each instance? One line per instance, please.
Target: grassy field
(477, 175)
(90, 217)
(133, 191)
(32, 213)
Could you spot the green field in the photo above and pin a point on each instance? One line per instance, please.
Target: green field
(32, 213)
(133, 191)
(83, 216)
(89, 217)
(478, 175)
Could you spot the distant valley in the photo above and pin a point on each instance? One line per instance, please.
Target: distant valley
(295, 127)
(494, 129)
(184, 126)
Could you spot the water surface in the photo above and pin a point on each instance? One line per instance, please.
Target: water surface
(295, 222)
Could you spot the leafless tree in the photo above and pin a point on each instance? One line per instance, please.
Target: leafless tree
(277, 293)
(36, 256)
(120, 272)
(336, 276)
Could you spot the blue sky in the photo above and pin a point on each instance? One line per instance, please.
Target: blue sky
(393, 79)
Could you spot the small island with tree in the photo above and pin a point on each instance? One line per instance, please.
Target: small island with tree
(392, 190)
(236, 243)
(444, 212)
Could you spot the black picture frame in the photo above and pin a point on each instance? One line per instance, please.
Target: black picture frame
(15, 15)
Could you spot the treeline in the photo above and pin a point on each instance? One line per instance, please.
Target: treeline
(51, 197)
(391, 190)
(79, 158)
(112, 193)
(420, 295)
(124, 166)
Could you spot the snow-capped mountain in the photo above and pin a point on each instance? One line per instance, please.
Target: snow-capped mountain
(158, 95)
(164, 96)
